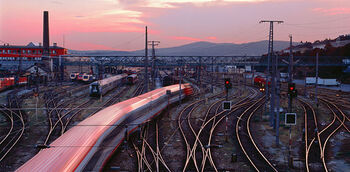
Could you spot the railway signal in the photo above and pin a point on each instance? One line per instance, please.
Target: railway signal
(290, 119)
(226, 105)
(292, 92)
(228, 84)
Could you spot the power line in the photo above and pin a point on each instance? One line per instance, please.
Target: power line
(320, 22)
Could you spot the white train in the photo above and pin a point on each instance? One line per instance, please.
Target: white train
(132, 79)
(88, 78)
(74, 76)
(99, 135)
(101, 87)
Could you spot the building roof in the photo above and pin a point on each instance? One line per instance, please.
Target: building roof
(30, 45)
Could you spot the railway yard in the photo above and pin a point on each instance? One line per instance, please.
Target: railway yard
(190, 133)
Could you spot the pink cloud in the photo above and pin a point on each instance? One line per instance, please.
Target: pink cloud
(186, 38)
(211, 38)
(92, 46)
(332, 11)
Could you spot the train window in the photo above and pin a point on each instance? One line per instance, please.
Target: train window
(94, 88)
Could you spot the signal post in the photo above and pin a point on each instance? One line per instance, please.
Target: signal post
(290, 118)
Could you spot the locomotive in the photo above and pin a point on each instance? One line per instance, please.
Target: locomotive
(132, 79)
(101, 87)
(9, 82)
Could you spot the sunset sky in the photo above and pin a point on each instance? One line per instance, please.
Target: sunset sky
(119, 24)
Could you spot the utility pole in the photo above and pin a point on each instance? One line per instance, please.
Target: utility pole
(146, 60)
(290, 100)
(212, 74)
(277, 109)
(270, 55)
(316, 100)
(290, 71)
(180, 73)
(153, 70)
(199, 71)
(19, 66)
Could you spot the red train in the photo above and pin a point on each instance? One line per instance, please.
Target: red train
(260, 81)
(9, 82)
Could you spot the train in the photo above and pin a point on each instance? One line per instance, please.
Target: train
(101, 87)
(91, 143)
(9, 82)
(82, 77)
(88, 78)
(74, 75)
(168, 78)
(132, 79)
(260, 81)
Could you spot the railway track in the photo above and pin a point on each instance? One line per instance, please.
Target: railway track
(17, 128)
(154, 161)
(339, 120)
(198, 138)
(316, 138)
(257, 159)
(311, 138)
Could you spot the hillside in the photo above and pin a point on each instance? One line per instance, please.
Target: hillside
(201, 49)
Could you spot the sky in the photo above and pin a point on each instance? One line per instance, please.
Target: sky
(120, 24)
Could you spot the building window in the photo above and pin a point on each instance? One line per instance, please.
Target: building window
(8, 51)
(28, 51)
(18, 52)
(23, 51)
(39, 52)
(53, 51)
(34, 51)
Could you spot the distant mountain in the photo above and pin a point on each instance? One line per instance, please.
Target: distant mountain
(202, 49)
(99, 52)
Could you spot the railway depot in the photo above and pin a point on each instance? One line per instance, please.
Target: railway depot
(69, 110)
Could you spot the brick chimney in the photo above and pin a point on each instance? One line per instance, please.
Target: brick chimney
(46, 39)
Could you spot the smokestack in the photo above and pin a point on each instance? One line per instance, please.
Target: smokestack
(46, 39)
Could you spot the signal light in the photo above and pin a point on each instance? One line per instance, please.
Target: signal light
(228, 84)
(292, 92)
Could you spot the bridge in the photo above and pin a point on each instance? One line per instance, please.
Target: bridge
(173, 61)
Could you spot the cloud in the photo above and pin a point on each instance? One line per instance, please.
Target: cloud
(92, 46)
(211, 38)
(186, 38)
(177, 3)
(332, 11)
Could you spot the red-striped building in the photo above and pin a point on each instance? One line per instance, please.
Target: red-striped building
(13, 55)
(28, 52)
